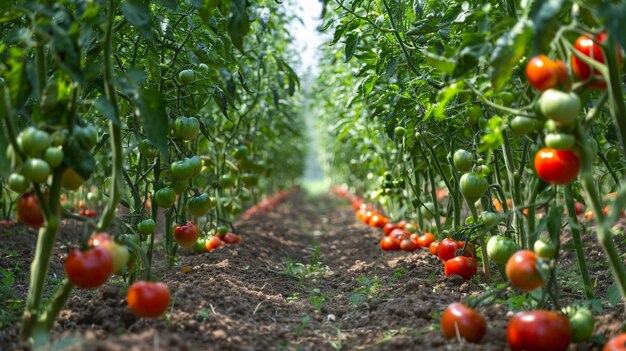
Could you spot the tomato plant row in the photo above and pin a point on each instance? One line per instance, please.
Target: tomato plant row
(495, 125)
(172, 115)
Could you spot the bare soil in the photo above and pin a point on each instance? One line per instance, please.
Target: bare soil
(306, 276)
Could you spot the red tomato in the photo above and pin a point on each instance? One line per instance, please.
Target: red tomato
(544, 74)
(29, 210)
(415, 239)
(378, 220)
(434, 247)
(426, 239)
(617, 343)
(580, 207)
(407, 245)
(89, 269)
(538, 330)
(447, 249)
(470, 324)
(586, 46)
(521, 269)
(148, 299)
(214, 243)
(186, 235)
(389, 243)
(398, 232)
(118, 251)
(402, 224)
(389, 227)
(90, 213)
(466, 267)
(231, 238)
(557, 166)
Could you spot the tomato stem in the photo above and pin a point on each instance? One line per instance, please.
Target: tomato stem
(578, 244)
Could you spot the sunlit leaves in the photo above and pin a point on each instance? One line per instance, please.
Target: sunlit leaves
(493, 138)
(616, 25)
(352, 40)
(509, 49)
(239, 23)
(138, 14)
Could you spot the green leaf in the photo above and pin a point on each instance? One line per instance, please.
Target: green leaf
(222, 101)
(444, 64)
(154, 118)
(239, 23)
(492, 139)
(444, 96)
(543, 20)
(509, 49)
(614, 15)
(367, 85)
(103, 105)
(206, 9)
(138, 14)
(352, 41)
(555, 213)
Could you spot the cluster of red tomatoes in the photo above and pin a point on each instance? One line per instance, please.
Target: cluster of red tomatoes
(558, 162)
(458, 257)
(266, 204)
(91, 268)
(223, 236)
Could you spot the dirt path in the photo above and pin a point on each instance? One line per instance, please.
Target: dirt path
(306, 276)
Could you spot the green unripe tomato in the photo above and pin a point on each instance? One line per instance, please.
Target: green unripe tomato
(18, 183)
(522, 125)
(196, 163)
(54, 156)
(36, 170)
(199, 205)
(86, 136)
(473, 186)
(490, 218)
(249, 179)
(227, 181)
(186, 128)
(240, 152)
(463, 160)
(147, 149)
(179, 186)
(582, 324)
(501, 248)
(33, 141)
(165, 197)
(544, 250)
(59, 137)
(563, 108)
(428, 210)
(560, 141)
(186, 76)
(181, 170)
(483, 170)
(146, 227)
(399, 132)
(506, 97)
